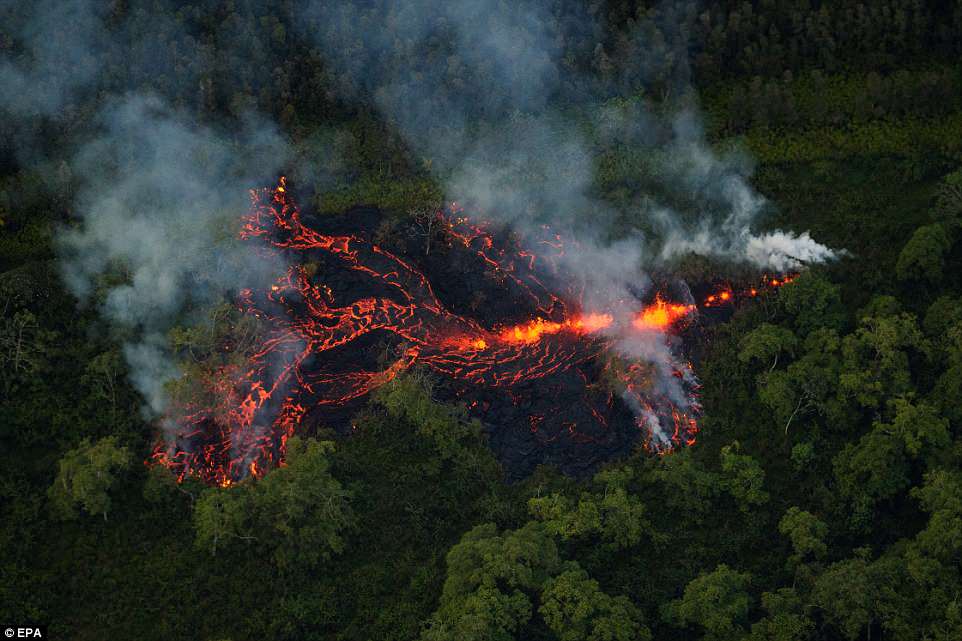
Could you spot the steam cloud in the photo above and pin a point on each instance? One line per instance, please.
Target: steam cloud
(480, 89)
(494, 112)
(160, 198)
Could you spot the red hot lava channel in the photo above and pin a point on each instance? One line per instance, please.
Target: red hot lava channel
(547, 364)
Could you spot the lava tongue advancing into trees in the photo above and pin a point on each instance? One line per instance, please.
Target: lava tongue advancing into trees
(310, 358)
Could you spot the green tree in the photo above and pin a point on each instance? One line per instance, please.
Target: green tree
(765, 343)
(785, 620)
(920, 428)
(298, 510)
(872, 470)
(457, 438)
(103, 375)
(941, 497)
(806, 532)
(301, 507)
(809, 383)
(813, 302)
(923, 257)
(688, 488)
(876, 358)
(613, 514)
(575, 609)
(878, 466)
(717, 602)
(24, 348)
(744, 477)
(86, 475)
(491, 581)
(857, 593)
(223, 516)
(844, 592)
(948, 202)
(932, 557)
(940, 317)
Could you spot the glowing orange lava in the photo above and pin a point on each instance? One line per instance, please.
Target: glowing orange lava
(660, 315)
(532, 331)
(301, 364)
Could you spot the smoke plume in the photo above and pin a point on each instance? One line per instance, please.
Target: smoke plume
(512, 121)
(160, 198)
(483, 90)
(157, 193)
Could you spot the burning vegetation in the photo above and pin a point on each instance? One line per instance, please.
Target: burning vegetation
(500, 325)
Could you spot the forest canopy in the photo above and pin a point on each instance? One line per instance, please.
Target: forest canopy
(822, 498)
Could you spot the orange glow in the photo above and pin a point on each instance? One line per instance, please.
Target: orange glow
(532, 331)
(660, 315)
(592, 322)
(720, 297)
(257, 406)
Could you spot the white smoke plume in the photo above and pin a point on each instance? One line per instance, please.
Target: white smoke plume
(720, 184)
(158, 194)
(481, 89)
(160, 199)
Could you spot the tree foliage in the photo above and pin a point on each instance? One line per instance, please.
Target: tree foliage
(299, 511)
(575, 609)
(86, 475)
(716, 602)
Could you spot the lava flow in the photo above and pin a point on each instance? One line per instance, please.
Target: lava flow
(550, 380)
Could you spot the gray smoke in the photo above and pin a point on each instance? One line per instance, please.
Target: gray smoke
(58, 56)
(479, 88)
(160, 200)
(159, 195)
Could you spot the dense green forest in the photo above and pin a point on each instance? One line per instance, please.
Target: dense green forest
(823, 498)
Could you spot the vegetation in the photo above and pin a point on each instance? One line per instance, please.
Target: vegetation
(823, 500)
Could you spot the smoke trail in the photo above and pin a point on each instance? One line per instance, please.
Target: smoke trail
(57, 57)
(160, 198)
(158, 194)
(482, 88)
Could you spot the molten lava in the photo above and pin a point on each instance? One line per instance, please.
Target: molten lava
(661, 315)
(536, 372)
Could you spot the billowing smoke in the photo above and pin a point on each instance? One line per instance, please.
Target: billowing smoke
(157, 193)
(729, 209)
(159, 200)
(484, 93)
